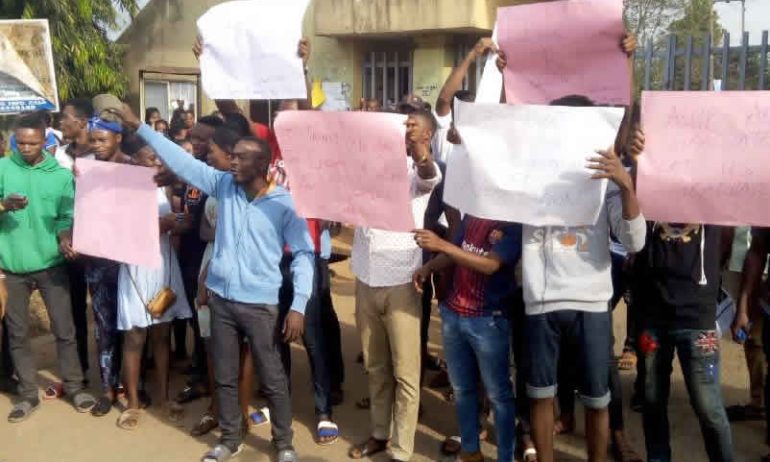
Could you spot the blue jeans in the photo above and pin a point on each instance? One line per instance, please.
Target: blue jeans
(474, 345)
(698, 352)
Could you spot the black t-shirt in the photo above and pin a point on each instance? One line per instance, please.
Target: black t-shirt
(191, 247)
(677, 276)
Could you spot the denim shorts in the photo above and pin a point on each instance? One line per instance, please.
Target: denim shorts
(587, 335)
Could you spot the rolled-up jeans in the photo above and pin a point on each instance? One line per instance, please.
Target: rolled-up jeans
(479, 347)
(698, 352)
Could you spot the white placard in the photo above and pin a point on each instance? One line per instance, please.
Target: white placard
(250, 50)
(527, 164)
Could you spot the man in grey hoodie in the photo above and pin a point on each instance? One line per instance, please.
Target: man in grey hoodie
(567, 284)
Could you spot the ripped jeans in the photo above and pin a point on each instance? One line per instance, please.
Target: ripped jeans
(698, 352)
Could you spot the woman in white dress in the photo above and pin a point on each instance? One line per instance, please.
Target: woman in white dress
(137, 287)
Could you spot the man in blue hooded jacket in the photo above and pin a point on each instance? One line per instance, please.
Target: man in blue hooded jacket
(256, 220)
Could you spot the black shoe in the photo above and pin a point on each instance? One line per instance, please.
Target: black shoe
(102, 407)
(190, 393)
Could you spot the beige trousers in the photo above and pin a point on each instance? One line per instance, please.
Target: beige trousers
(388, 320)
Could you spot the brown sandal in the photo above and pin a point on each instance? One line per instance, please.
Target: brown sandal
(129, 419)
(627, 361)
(371, 447)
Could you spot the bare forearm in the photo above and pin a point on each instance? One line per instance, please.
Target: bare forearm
(630, 202)
(439, 263)
(453, 84)
(751, 278)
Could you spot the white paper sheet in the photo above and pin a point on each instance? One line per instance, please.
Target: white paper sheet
(491, 85)
(526, 164)
(250, 50)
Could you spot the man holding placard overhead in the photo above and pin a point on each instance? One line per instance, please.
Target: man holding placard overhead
(388, 309)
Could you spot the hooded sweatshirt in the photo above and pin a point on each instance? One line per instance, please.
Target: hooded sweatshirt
(29, 238)
(251, 235)
(568, 268)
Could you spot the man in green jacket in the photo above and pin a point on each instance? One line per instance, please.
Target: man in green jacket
(36, 214)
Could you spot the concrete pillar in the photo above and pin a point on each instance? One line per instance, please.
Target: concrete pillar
(433, 60)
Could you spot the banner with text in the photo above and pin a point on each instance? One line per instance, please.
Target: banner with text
(116, 213)
(349, 167)
(561, 48)
(250, 50)
(706, 157)
(27, 76)
(527, 164)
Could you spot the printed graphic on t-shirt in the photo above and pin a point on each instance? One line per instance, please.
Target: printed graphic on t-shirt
(469, 293)
(573, 239)
(677, 233)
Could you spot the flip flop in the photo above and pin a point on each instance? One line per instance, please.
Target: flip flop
(261, 417)
(371, 447)
(129, 419)
(451, 446)
(529, 455)
(54, 391)
(327, 429)
(207, 423)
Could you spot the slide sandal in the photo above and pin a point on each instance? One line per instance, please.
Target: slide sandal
(129, 419)
(54, 391)
(261, 417)
(530, 455)
(327, 433)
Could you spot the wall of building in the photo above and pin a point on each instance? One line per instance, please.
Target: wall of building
(341, 31)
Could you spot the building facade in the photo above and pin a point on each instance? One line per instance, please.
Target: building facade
(381, 49)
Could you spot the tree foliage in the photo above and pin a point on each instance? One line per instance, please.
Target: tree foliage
(648, 19)
(86, 61)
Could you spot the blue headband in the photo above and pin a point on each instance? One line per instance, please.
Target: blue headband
(100, 124)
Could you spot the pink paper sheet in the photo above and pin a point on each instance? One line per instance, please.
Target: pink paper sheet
(116, 213)
(349, 167)
(707, 157)
(561, 48)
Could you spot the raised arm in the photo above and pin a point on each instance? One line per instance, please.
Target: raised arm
(454, 83)
(183, 165)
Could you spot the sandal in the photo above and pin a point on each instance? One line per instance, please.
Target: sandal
(564, 426)
(83, 402)
(261, 417)
(327, 433)
(451, 446)
(54, 391)
(364, 403)
(627, 360)
(174, 411)
(625, 453)
(529, 455)
(207, 423)
(129, 419)
(221, 453)
(371, 447)
(102, 407)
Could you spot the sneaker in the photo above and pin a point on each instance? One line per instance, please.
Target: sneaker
(287, 455)
(83, 401)
(23, 410)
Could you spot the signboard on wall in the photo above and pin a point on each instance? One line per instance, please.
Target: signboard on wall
(27, 76)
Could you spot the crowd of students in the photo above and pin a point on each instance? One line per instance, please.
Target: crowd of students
(250, 276)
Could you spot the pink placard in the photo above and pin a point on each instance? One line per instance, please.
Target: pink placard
(706, 158)
(116, 213)
(349, 167)
(561, 48)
